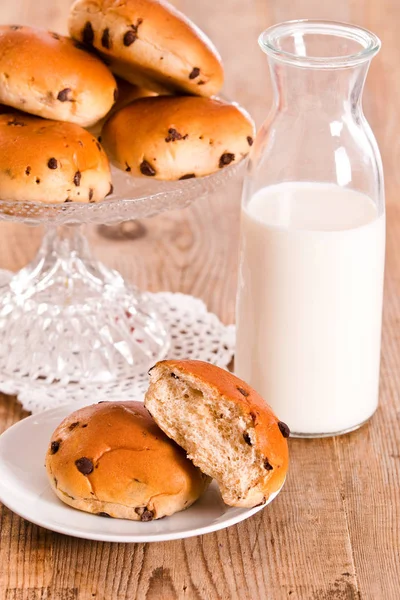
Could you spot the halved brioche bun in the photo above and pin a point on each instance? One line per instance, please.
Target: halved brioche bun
(225, 427)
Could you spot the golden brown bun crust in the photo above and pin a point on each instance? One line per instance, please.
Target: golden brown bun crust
(171, 137)
(150, 43)
(271, 433)
(49, 75)
(112, 458)
(50, 162)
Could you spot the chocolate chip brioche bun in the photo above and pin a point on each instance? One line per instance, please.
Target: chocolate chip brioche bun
(149, 43)
(49, 75)
(50, 161)
(111, 459)
(170, 137)
(226, 428)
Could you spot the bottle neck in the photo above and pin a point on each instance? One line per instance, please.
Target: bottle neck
(318, 92)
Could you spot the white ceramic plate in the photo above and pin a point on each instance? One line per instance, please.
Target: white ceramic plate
(25, 490)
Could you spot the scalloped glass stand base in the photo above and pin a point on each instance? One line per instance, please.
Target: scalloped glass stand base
(67, 318)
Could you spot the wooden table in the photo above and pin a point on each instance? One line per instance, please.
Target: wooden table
(334, 531)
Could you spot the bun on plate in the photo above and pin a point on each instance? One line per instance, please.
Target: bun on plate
(111, 459)
(225, 427)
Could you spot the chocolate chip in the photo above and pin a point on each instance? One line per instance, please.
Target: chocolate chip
(201, 82)
(88, 34)
(253, 416)
(77, 178)
(226, 159)
(54, 447)
(284, 429)
(67, 200)
(15, 27)
(99, 139)
(174, 135)
(247, 438)
(73, 425)
(187, 176)
(267, 465)
(249, 140)
(111, 189)
(104, 514)
(90, 194)
(54, 35)
(174, 376)
(84, 465)
(128, 169)
(52, 163)
(129, 37)
(147, 169)
(105, 39)
(115, 94)
(194, 73)
(28, 171)
(147, 515)
(242, 391)
(65, 95)
(37, 180)
(85, 425)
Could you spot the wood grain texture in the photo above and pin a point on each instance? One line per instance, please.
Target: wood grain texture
(334, 531)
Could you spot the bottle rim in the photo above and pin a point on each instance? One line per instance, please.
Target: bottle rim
(369, 43)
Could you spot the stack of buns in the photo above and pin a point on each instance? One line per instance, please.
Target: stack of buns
(117, 459)
(139, 76)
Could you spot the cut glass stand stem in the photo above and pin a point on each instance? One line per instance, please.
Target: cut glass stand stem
(68, 318)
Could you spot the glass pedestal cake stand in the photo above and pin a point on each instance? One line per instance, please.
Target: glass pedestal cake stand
(66, 318)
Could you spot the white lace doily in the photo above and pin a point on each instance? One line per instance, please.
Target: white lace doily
(195, 333)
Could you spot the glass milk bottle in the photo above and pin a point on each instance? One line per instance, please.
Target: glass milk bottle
(310, 289)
